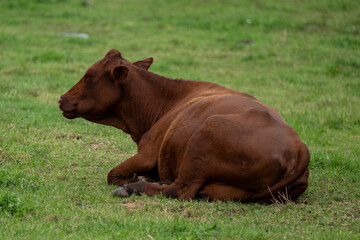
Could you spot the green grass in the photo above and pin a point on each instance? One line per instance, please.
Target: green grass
(300, 57)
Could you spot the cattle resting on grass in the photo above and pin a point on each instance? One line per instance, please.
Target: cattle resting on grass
(195, 139)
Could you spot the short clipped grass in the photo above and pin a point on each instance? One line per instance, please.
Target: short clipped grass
(300, 57)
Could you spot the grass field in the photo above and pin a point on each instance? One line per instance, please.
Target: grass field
(300, 57)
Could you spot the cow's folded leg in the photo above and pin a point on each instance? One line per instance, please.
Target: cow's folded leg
(119, 175)
(119, 181)
(183, 191)
(138, 188)
(219, 192)
(126, 172)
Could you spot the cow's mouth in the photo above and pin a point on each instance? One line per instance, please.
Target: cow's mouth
(69, 115)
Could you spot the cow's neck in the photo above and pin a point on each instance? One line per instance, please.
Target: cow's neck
(147, 97)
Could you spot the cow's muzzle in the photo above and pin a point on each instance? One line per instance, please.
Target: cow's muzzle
(68, 107)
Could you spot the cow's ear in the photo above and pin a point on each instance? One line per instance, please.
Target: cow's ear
(144, 64)
(120, 73)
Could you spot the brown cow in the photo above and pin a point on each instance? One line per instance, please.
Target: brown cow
(198, 139)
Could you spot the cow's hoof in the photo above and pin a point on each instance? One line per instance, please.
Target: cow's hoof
(120, 192)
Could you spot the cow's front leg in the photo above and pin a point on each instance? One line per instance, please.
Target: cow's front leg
(127, 171)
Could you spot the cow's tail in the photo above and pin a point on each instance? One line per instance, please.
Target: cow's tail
(280, 188)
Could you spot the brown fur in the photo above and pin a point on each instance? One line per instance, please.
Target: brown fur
(201, 139)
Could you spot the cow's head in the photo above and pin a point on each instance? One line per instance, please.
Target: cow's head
(98, 92)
